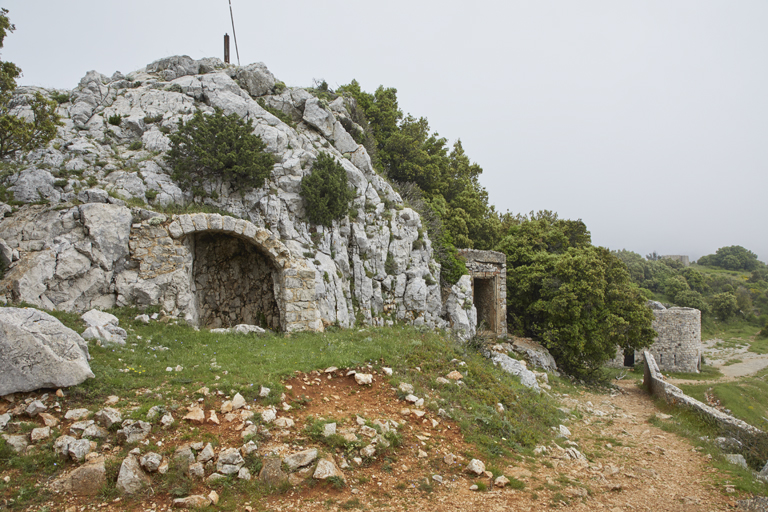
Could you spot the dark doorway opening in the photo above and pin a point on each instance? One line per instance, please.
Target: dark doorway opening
(629, 357)
(234, 283)
(484, 297)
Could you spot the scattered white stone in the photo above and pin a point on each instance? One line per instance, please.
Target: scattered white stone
(142, 318)
(501, 481)
(264, 392)
(244, 474)
(454, 375)
(368, 451)
(167, 420)
(283, 422)
(475, 466)
(364, 379)
(268, 415)
(76, 414)
(248, 448)
(151, 461)
(39, 434)
(406, 388)
(196, 415)
(327, 468)
(238, 402)
(329, 429)
(563, 431)
(300, 459)
(387, 371)
(35, 408)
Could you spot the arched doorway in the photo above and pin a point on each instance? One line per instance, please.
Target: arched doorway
(234, 283)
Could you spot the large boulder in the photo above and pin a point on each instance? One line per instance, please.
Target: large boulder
(38, 351)
(256, 79)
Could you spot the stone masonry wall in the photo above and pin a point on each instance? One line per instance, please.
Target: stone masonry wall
(234, 283)
(488, 270)
(677, 348)
(653, 380)
(678, 345)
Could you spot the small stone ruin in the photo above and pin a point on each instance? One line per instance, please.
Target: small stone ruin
(488, 270)
(677, 348)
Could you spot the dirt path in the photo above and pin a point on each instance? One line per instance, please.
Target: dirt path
(635, 466)
(723, 355)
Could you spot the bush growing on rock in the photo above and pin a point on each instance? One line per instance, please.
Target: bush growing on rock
(20, 133)
(214, 146)
(326, 192)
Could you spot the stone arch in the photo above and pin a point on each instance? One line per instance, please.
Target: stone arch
(294, 283)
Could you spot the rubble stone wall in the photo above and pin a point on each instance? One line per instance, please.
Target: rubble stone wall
(234, 283)
(653, 380)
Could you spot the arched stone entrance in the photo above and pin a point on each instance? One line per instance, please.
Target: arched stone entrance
(234, 283)
(226, 249)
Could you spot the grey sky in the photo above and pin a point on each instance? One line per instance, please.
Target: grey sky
(646, 119)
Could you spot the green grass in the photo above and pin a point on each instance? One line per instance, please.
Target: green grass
(745, 398)
(243, 363)
(728, 331)
(707, 373)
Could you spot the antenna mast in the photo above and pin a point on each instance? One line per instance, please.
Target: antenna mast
(234, 34)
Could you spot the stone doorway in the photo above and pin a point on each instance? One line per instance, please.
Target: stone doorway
(629, 357)
(484, 297)
(234, 282)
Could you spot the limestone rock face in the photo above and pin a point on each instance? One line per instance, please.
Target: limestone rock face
(39, 352)
(377, 266)
(515, 367)
(256, 79)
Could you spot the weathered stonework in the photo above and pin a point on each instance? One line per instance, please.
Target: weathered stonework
(677, 348)
(733, 427)
(488, 270)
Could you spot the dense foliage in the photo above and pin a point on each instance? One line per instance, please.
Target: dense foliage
(326, 191)
(404, 148)
(733, 257)
(577, 299)
(21, 134)
(210, 147)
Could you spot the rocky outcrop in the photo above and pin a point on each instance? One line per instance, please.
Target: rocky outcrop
(367, 267)
(38, 351)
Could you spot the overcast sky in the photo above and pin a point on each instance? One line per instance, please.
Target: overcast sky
(646, 119)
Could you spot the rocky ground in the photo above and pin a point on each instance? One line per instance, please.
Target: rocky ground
(632, 464)
(733, 359)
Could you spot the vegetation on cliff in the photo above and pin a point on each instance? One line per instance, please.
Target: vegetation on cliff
(217, 146)
(17, 133)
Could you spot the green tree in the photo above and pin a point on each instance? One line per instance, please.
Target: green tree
(326, 191)
(692, 299)
(576, 298)
(217, 146)
(724, 306)
(674, 285)
(733, 257)
(37, 126)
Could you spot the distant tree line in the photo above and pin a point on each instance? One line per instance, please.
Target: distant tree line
(730, 284)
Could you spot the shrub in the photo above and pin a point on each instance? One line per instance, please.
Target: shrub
(218, 146)
(150, 194)
(115, 119)
(136, 145)
(60, 97)
(326, 192)
(724, 305)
